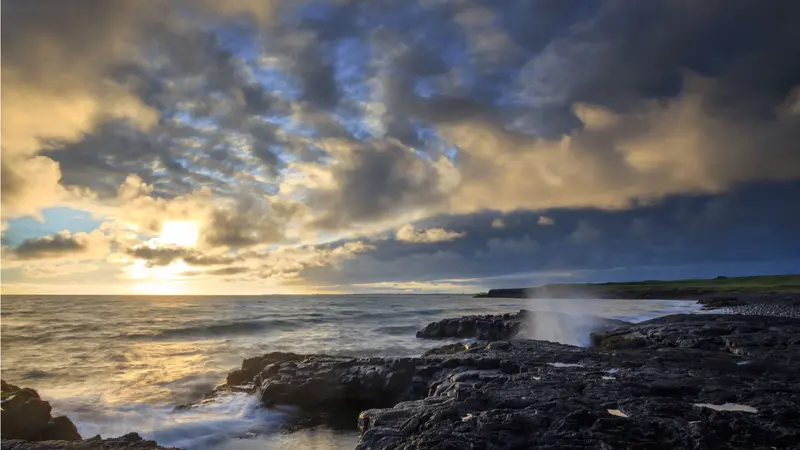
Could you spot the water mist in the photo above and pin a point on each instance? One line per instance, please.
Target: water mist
(567, 320)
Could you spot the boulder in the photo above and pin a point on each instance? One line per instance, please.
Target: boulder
(26, 416)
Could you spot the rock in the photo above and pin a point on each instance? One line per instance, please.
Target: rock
(130, 441)
(535, 394)
(335, 388)
(721, 302)
(252, 366)
(60, 429)
(26, 416)
(487, 327)
(508, 326)
(748, 336)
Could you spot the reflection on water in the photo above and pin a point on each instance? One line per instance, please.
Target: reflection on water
(116, 364)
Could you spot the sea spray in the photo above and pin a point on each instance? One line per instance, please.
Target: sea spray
(202, 426)
(564, 320)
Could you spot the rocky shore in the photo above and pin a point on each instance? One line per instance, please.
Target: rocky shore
(683, 381)
(704, 381)
(780, 305)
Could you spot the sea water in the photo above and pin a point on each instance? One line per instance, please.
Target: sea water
(117, 364)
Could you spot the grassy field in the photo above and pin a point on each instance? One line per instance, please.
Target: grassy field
(768, 283)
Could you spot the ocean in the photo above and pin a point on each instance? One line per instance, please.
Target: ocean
(117, 364)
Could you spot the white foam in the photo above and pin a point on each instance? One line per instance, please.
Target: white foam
(468, 417)
(560, 364)
(727, 407)
(198, 427)
(741, 363)
(612, 371)
(609, 378)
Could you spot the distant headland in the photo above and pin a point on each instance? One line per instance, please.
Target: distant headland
(673, 290)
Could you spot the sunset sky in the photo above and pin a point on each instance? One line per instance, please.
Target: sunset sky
(267, 147)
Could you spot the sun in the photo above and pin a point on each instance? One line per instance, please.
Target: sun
(180, 232)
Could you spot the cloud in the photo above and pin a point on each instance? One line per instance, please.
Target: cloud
(224, 223)
(292, 262)
(498, 224)
(44, 77)
(671, 147)
(164, 255)
(287, 132)
(585, 233)
(544, 220)
(407, 233)
(373, 181)
(54, 269)
(57, 63)
(62, 245)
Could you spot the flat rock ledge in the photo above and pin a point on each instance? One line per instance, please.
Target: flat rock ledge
(502, 327)
(677, 382)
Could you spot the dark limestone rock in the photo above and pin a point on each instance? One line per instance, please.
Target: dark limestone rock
(252, 366)
(486, 327)
(509, 326)
(335, 387)
(656, 384)
(747, 336)
(130, 441)
(535, 394)
(26, 416)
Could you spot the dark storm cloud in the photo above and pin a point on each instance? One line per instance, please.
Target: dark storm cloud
(102, 160)
(58, 245)
(374, 180)
(755, 224)
(249, 222)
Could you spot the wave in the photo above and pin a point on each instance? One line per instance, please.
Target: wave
(219, 329)
(35, 374)
(398, 330)
(207, 425)
(381, 313)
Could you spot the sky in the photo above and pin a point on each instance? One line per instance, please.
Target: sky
(297, 147)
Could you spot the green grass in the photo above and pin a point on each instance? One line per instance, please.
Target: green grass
(767, 283)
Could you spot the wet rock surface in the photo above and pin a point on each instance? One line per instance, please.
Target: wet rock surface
(485, 327)
(652, 385)
(508, 326)
(130, 441)
(26, 416)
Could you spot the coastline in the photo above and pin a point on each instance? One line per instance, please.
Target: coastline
(716, 290)
(482, 379)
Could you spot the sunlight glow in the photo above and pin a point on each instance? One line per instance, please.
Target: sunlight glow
(180, 232)
(139, 270)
